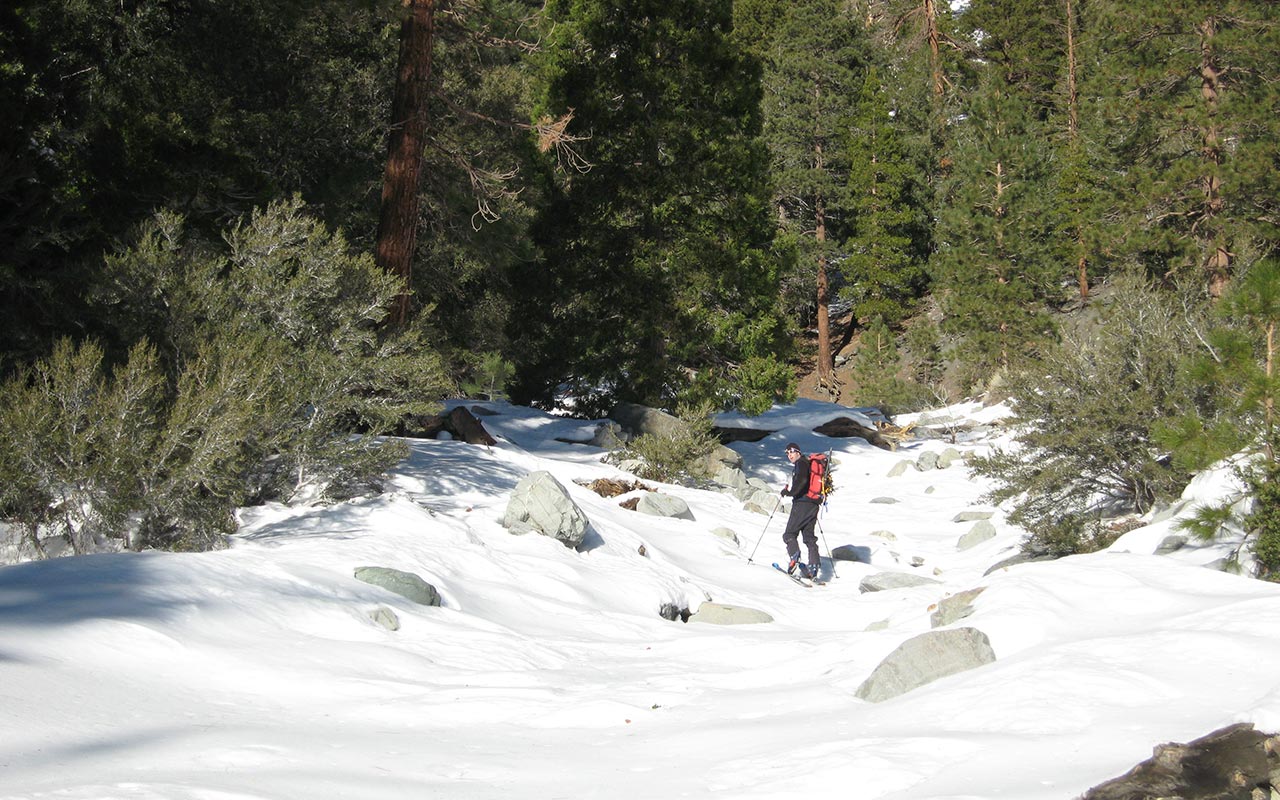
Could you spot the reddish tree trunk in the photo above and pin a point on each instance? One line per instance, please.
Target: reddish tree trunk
(1218, 262)
(826, 361)
(1073, 136)
(398, 222)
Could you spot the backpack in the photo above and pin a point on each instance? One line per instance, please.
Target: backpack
(819, 478)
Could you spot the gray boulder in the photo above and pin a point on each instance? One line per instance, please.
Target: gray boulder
(721, 614)
(900, 468)
(639, 420)
(608, 436)
(1171, 544)
(385, 617)
(731, 477)
(973, 516)
(763, 502)
(926, 461)
(949, 457)
(726, 534)
(924, 659)
(884, 501)
(406, 584)
(719, 458)
(981, 531)
(884, 581)
(849, 552)
(540, 504)
(663, 505)
(954, 608)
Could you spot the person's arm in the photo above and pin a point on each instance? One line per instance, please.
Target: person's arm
(799, 479)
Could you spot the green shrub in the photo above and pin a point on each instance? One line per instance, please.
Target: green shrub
(1086, 417)
(675, 456)
(268, 354)
(1263, 521)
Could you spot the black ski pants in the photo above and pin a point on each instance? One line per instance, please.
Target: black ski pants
(804, 516)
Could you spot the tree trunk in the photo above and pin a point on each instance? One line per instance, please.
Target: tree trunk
(935, 49)
(1269, 402)
(826, 362)
(1218, 262)
(398, 222)
(1073, 93)
(1073, 140)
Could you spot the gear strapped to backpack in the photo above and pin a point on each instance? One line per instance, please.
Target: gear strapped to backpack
(819, 478)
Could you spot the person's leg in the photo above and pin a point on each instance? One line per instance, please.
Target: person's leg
(811, 539)
(795, 522)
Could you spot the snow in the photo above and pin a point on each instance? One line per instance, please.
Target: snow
(255, 673)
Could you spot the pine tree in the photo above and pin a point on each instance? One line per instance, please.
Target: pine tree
(883, 272)
(657, 267)
(1189, 94)
(813, 76)
(999, 258)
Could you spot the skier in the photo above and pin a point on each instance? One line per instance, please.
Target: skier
(804, 516)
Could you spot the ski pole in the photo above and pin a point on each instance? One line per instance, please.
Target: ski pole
(830, 555)
(762, 531)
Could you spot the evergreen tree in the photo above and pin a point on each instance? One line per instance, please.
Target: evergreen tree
(1000, 255)
(876, 366)
(657, 258)
(883, 271)
(1189, 95)
(813, 76)
(116, 109)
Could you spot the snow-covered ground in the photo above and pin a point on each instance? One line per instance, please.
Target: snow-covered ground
(255, 673)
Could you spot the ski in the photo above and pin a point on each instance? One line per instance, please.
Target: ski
(805, 582)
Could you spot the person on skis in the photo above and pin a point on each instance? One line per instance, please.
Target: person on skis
(803, 518)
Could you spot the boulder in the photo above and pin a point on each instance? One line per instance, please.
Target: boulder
(924, 659)
(727, 435)
(763, 502)
(981, 531)
(849, 552)
(955, 607)
(948, 458)
(464, 425)
(972, 516)
(721, 614)
(884, 581)
(608, 436)
(900, 468)
(885, 501)
(1232, 762)
(844, 427)
(726, 534)
(639, 420)
(1171, 544)
(663, 505)
(673, 612)
(926, 461)
(385, 618)
(540, 504)
(719, 458)
(731, 477)
(406, 584)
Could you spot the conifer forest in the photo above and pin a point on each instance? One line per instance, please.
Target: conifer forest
(234, 233)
